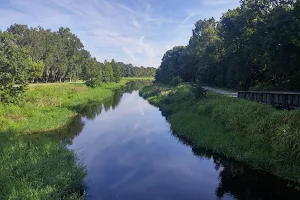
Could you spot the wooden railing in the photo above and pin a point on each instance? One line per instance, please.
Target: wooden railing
(286, 100)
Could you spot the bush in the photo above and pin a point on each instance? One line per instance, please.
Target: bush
(268, 87)
(12, 94)
(179, 94)
(176, 81)
(198, 90)
(95, 82)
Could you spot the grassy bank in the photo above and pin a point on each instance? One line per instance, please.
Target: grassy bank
(32, 164)
(51, 106)
(250, 132)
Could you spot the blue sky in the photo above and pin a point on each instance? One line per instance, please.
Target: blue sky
(132, 31)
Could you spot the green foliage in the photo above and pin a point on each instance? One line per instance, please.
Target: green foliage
(176, 81)
(180, 94)
(254, 133)
(256, 44)
(39, 55)
(128, 70)
(41, 169)
(108, 75)
(198, 90)
(170, 65)
(14, 64)
(117, 71)
(94, 82)
(35, 70)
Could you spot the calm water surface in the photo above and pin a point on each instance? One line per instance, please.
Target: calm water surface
(130, 152)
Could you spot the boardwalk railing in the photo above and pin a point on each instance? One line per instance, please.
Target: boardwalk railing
(287, 100)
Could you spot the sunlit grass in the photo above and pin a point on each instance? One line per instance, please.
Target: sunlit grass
(51, 106)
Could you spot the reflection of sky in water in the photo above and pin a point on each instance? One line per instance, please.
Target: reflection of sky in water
(130, 154)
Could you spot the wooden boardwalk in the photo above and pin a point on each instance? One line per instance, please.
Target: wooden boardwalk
(286, 100)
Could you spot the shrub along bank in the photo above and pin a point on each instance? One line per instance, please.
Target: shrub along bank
(259, 135)
(33, 165)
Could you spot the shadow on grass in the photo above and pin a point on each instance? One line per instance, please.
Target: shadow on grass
(39, 166)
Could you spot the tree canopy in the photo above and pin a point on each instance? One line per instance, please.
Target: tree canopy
(256, 45)
(15, 63)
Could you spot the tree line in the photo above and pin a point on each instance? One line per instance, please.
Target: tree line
(31, 55)
(132, 71)
(255, 46)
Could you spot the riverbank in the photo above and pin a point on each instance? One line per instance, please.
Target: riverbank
(32, 164)
(256, 134)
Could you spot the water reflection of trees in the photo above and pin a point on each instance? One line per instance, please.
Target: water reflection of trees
(136, 85)
(92, 110)
(241, 182)
(67, 133)
(113, 101)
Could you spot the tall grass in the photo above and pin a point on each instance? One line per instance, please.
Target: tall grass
(254, 133)
(42, 169)
(51, 106)
(33, 165)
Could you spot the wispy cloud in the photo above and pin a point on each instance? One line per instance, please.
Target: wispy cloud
(135, 23)
(136, 32)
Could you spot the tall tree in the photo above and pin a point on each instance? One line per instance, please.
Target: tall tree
(117, 71)
(14, 64)
(107, 72)
(253, 46)
(169, 67)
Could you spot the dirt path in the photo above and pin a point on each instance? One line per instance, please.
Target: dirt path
(228, 93)
(56, 83)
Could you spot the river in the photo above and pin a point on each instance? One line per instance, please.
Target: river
(129, 152)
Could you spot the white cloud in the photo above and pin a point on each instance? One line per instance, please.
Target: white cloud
(136, 24)
(137, 33)
(129, 53)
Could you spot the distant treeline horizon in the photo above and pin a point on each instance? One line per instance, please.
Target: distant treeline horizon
(29, 55)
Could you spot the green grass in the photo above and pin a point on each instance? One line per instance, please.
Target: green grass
(42, 169)
(32, 164)
(257, 134)
(51, 106)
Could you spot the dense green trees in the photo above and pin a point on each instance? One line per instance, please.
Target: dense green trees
(129, 70)
(255, 45)
(170, 65)
(108, 75)
(39, 55)
(15, 63)
(117, 71)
